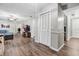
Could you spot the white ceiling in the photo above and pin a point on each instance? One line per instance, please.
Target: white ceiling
(22, 9)
(25, 9)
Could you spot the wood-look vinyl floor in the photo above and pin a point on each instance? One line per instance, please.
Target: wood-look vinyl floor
(20, 46)
(25, 47)
(71, 48)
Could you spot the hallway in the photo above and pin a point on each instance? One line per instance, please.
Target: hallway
(48, 24)
(42, 19)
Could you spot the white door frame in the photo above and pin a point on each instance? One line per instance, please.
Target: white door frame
(71, 27)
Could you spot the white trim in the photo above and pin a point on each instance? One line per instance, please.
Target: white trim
(68, 38)
(37, 41)
(58, 48)
(54, 49)
(61, 47)
(74, 37)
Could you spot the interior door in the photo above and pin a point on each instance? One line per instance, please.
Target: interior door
(45, 33)
(75, 28)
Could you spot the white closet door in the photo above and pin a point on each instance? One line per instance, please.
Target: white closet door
(49, 29)
(75, 28)
(45, 33)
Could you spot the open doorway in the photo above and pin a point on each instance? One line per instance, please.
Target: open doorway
(75, 28)
(65, 28)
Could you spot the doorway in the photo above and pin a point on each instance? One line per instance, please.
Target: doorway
(65, 28)
(75, 28)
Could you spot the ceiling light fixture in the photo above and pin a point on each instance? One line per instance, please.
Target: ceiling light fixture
(11, 17)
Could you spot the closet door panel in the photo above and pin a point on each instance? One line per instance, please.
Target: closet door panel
(49, 29)
(45, 29)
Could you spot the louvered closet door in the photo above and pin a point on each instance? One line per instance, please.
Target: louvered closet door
(45, 33)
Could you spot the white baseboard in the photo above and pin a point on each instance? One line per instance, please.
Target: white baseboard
(74, 37)
(54, 49)
(68, 38)
(58, 48)
(37, 41)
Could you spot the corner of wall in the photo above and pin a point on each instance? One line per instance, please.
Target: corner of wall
(57, 50)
